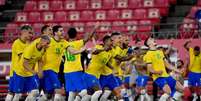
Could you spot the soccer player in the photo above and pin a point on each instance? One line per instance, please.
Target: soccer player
(72, 67)
(157, 64)
(18, 47)
(51, 62)
(93, 72)
(25, 77)
(194, 76)
(47, 30)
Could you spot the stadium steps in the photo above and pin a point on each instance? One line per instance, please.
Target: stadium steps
(176, 15)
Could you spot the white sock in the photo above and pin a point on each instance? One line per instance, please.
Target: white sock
(71, 96)
(9, 97)
(105, 95)
(195, 97)
(164, 97)
(129, 93)
(96, 95)
(78, 98)
(142, 97)
(57, 97)
(83, 93)
(17, 97)
(177, 95)
(86, 98)
(123, 92)
(30, 98)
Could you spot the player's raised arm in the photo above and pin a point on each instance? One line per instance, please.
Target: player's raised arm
(186, 45)
(88, 36)
(170, 67)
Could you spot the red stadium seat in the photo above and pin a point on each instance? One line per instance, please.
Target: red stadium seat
(132, 25)
(118, 26)
(30, 6)
(34, 17)
(2, 2)
(126, 14)
(79, 26)
(60, 16)
(105, 26)
(69, 4)
(87, 15)
(96, 4)
(82, 4)
(113, 14)
(37, 27)
(65, 26)
(122, 3)
(43, 5)
(140, 14)
(153, 13)
(89, 26)
(100, 15)
(74, 15)
(108, 4)
(145, 26)
(135, 3)
(10, 31)
(161, 3)
(47, 16)
(56, 5)
(193, 11)
(148, 3)
(21, 17)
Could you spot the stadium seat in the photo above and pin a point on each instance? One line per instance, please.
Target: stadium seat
(65, 26)
(145, 26)
(82, 4)
(135, 3)
(161, 3)
(34, 17)
(153, 13)
(113, 14)
(100, 15)
(132, 25)
(148, 3)
(2, 2)
(56, 5)
(37, 27)
(108, 4)
(89, 26)
(193, 11)
(30, 6)
(96, 4)
(140, 14)
(87, 15)
(126, 14)
(79, 26)
(60, 16)
(10, 32)
(122, 3)
(105, 26)
(21, 17)
(118, 26)
(74, 16)
(47, 16)
(69, 4)
(44, 5)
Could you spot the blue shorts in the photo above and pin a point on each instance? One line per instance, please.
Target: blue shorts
(141, 81)
(25, 84)
(162, 81)
(11, 84)
(108, 81)
(90, 81)
(119, 80)
(127, 80)
(50, 81)
(194, 79)
(74, 81)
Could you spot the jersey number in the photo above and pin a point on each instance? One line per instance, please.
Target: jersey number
(69, 57)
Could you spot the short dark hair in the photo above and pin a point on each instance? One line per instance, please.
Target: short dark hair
(197, 48)
(44, 28)
(45, 37)
(105, 38)
(115, 33)
(56, 28)
(26, 27)
(72, 32)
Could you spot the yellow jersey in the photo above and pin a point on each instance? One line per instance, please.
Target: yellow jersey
(156, 58)
(195, 62)
(33, 55)
(98, 62)
(17, 50)
(73, 62)
(53, 55)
